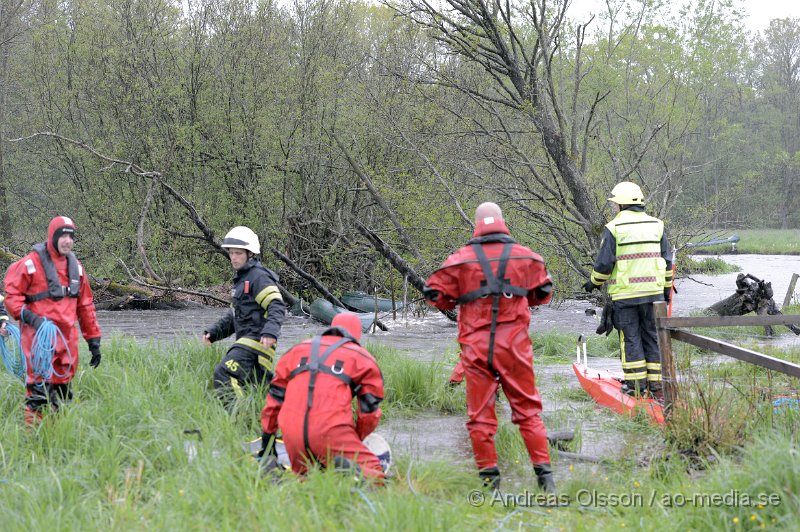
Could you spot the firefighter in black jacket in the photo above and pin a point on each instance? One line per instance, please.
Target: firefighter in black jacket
(256, 315)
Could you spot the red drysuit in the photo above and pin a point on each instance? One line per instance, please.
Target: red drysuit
(500, 353)
(314, 408)
(26, 285)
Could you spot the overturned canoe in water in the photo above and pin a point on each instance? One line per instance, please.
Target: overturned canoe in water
(323, 310)
(366, 303)
(605, 387)
(733, 239)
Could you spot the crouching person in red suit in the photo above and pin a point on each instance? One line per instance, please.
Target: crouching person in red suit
(310, 400)
(494, 281)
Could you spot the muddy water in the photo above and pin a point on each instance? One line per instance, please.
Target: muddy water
(430, 337)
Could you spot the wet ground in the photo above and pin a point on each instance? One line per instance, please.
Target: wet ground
(430, 337)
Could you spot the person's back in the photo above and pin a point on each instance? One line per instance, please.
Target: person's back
(634, 260)
(331, 406)
(524, 268)
(310, 399)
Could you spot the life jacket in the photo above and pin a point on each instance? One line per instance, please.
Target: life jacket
(640, 270)
(55, 290)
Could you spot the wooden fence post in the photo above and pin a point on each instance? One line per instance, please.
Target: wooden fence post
(375, 320)
(790, 291)
(667, 364)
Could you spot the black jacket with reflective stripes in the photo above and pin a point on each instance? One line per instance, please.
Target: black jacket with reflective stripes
(257, 308)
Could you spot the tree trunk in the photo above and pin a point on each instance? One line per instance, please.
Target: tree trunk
(752, 295)
(5, 220)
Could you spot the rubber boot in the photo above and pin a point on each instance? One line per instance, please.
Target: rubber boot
(270, 469)
(657, 391)
(633, 388)
(490, 477)
(32, 417)
(544, 477)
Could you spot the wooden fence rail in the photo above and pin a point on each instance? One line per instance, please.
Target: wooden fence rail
(668, 329)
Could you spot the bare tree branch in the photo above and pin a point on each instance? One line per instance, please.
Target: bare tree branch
(359, 171)
(131, 167)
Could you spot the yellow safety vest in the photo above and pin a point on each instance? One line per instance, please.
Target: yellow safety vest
(640, 270)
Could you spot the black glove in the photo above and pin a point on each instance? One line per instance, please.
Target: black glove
(544, 290)
(94, 349)
(606, 320)
(667, 294)
(267, 445)
(429, 293)
(32, 319)
(588, 286)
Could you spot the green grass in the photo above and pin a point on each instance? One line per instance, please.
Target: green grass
(554, 347)
(756, 241)
(114, 459)
(707, 266)
(411, 385)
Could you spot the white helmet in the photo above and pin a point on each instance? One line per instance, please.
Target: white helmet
(627, 193)
(242, 237)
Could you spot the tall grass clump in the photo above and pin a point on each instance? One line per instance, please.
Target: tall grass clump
(412, 385)
(706, 265)
(721, 404)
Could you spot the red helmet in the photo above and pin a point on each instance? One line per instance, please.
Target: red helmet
(349, 322)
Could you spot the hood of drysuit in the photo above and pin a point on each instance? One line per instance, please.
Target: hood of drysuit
(349, 323)
(490, 225)
(58, 226)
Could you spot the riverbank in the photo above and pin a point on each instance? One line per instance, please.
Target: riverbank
(116, 458)
(753, 241)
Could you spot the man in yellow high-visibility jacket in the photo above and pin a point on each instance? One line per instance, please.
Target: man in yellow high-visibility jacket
(634, 259)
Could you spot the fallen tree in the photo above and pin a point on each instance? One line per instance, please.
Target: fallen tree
(398, 263)
(752, 295)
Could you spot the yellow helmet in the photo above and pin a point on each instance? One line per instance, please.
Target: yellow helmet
(627, 193)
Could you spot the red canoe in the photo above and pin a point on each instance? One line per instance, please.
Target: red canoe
(605, 387)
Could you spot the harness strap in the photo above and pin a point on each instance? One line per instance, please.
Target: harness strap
(314, 366)
(333, 371)
(497, 286)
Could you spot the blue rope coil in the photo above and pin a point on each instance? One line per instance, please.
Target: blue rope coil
(786, 402)
(43, 347)
(11, 351)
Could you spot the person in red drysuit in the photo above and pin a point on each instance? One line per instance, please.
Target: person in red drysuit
(49, 283)
(310, 399)
(494, 281)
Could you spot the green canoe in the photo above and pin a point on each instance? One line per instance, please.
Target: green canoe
(324, 311)
(366, 303)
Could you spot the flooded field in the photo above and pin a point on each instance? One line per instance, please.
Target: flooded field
(431, 337)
